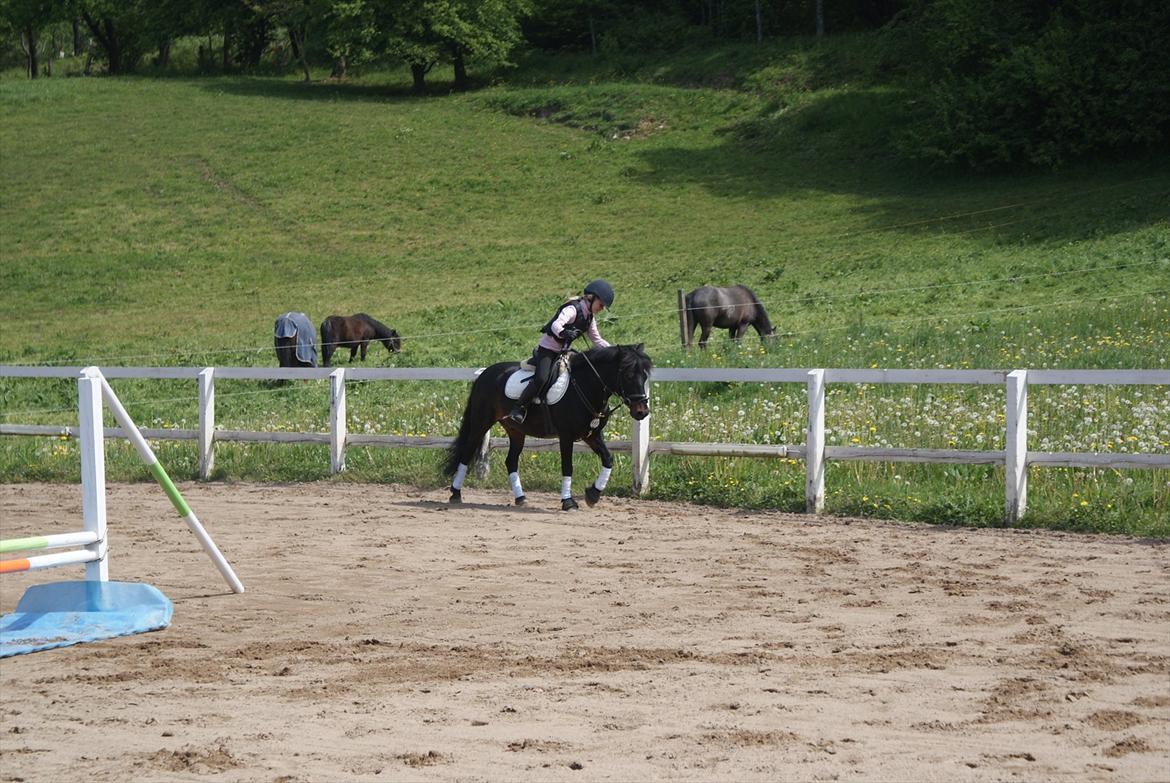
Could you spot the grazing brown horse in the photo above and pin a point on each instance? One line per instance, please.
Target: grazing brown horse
(355, 333)
(733, 308)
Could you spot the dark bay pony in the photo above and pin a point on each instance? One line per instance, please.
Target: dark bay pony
(733, 308)
(581, 414)
(355, 333)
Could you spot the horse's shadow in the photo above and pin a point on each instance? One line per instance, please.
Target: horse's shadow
(442, 505)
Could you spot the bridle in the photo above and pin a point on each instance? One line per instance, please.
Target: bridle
(628, 399)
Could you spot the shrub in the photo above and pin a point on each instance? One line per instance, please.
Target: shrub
(1038, 81)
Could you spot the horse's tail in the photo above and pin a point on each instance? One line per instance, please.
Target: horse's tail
(327, 341)
(477, 412)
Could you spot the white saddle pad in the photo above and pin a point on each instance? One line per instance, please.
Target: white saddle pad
(519, 379)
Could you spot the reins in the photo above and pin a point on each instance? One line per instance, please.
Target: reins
(627, 400)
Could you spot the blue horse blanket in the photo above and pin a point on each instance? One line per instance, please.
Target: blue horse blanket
(298, 325)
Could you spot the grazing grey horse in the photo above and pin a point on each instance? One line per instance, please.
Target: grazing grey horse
(296, 341)
(733, 308)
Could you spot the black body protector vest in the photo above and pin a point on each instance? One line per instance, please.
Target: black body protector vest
(582, 317)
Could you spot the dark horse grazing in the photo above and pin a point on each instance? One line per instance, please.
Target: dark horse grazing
(582, 414)
(734, 308)
(294, 340)
(355, 333)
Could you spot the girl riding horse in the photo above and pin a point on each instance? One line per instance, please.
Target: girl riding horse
(572, 319)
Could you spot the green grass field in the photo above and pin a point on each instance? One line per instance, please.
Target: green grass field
(167, 221)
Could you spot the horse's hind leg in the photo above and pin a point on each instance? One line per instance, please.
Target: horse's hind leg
(470, 447)
(567, 502)
(515, 446)
(593, 493)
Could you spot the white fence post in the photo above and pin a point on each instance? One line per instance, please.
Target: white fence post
(337, 420)
(93, 470)
(1016, 446)
(206, 422)
(640, 450)
(814, 445)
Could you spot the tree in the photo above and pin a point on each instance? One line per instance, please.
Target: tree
(1038, 81)
(124, 29)
(26, 19)
(423, 33)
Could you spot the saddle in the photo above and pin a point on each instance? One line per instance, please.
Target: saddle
(516, 382)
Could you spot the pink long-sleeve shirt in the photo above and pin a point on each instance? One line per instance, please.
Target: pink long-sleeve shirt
(564, 318)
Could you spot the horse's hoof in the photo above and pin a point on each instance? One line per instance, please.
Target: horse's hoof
(456, 496)
(592, 495)
(521, 500)
(568, 504)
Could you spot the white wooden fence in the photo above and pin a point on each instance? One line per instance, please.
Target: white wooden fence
(1015, 457)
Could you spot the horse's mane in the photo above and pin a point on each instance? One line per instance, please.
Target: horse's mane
(380, 329)
(630, 358)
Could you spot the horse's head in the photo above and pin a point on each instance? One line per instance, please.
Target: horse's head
(393, 342)
(634, 367)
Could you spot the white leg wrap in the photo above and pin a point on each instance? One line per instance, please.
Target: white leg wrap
(566, 487)
(602, 478)
(460, 473)
(514, 480)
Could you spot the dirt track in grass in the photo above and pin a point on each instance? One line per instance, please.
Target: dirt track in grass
(387, 636)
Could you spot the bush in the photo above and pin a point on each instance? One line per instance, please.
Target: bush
(1038, 81)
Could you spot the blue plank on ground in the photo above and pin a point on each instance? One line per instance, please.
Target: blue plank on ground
(64, 613)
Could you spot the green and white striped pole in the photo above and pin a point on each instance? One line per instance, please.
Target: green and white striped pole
(164, 481)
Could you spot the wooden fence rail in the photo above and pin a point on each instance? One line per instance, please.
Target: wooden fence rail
(1015, 457)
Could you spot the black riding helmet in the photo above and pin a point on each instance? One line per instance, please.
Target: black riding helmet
(602, 290)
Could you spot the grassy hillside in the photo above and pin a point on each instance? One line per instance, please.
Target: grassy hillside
(168, 221)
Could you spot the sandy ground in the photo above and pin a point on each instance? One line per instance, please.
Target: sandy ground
(387, 636)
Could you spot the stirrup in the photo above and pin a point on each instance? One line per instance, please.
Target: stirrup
(518, 414)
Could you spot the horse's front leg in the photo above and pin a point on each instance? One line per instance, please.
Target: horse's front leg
(352, 352)
(597, 443)
(364, 344)
(738, 332)
(704, 335)
(567, 502)
(515, 446)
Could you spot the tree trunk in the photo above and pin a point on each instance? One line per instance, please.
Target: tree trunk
(76, 37)
(592, 35)
(106, 37)
(227, 46)
(759, 23)
(297, 41)
(338, 68)
(113, 48)
(164, 53)
(28, 42)
(461, 80)
(820, 18)
(418, 73)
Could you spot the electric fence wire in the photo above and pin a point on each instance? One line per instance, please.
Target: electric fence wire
(815, 330)
(1064, 194)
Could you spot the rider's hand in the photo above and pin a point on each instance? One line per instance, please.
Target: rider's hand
(569, 334)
